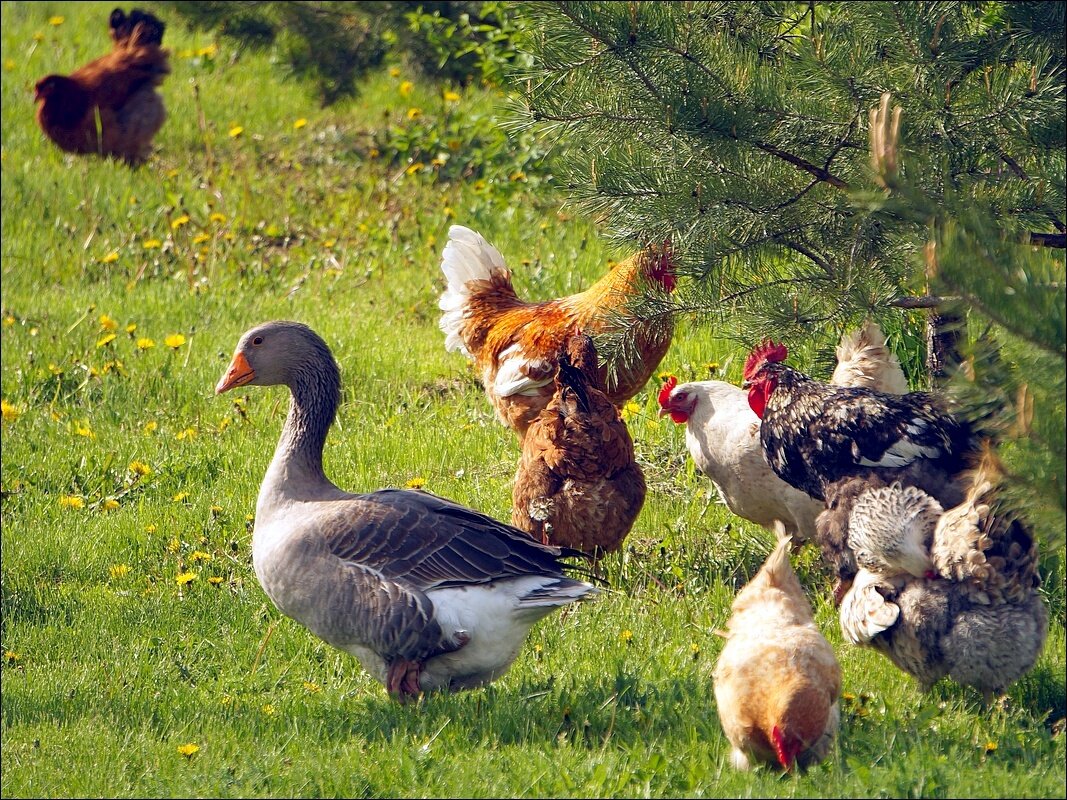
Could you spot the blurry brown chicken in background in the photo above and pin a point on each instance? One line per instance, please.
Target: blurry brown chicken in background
(110, 106)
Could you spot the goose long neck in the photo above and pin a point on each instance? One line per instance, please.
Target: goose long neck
(297, 464)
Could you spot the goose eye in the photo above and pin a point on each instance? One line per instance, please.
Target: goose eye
(258, 340)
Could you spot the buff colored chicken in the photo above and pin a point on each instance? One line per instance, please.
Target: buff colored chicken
(777, 681)
(514, 343)
(578, 484)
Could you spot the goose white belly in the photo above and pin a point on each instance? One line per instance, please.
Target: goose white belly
(496, 618)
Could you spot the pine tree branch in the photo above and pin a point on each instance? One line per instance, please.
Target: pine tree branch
(926, 301)
(819, 172)
(811, 255)
(1039, 239)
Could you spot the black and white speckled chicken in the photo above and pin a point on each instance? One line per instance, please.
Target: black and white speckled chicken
(980, 620)
(835, 443)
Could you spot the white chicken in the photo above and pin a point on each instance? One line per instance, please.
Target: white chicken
(777, 681)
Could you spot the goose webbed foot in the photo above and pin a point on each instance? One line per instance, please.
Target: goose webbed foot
(402, 680)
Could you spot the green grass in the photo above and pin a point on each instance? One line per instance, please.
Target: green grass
(110, 664)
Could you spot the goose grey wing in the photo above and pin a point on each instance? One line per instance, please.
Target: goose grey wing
(428, 542)
(359, 606)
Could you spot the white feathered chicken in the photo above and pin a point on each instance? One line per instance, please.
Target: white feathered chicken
(722, 433)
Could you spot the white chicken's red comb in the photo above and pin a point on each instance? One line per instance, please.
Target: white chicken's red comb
(665, 392)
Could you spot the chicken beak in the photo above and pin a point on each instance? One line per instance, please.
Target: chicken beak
(239, 373)
(746, 384)
(664, 411)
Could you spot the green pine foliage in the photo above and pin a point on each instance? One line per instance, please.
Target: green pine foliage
(739, 131)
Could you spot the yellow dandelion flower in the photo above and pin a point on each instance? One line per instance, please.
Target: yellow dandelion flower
(106, 340)
(174, 341)
(694, 649)
(71, 501)
(9, 321)
(144, 343)
(188, 433)
(151, 426)
(374, 152)
(185, 578)
(652, 424)
(311, 687)
(405, 88)
(217, 217)
(151, 244)
(189, 750)
(199, 555)
(56, 21)
(300, 123)
(110, 257)
(174, 545)
(416, 483)
(208, 52)
(140, 468)
(236, 131)
(9, 64)
(178, 222)
(107, 323)
(117, 571)
(131, 328)
(449, 212)
(450, 96)
(180, 497)
(38, 37)
(200, 238)
(109, 504)
(216, 510)
(11, 412)
(268, 709)
(630, 410)
(990, 747)
(418, 165)
(11, 657)
(517, 175)
(214, 580)
(414, 113)
(394, 72)
(627, 636)
(151, 528)
(83, 429)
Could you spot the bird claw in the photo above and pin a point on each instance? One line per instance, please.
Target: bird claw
(402, 679)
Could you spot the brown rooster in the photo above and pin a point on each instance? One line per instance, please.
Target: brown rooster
(777, 680)
(110, 106)
(514, 344)
(578, 484)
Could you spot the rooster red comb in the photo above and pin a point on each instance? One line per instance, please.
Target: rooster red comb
(665, 392)
(767, 350)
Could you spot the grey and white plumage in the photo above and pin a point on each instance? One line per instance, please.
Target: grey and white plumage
(891, 528)
(980, 620)
(427, 594)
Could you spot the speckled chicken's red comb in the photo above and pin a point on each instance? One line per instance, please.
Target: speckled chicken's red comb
(665, 392)
(767, 350)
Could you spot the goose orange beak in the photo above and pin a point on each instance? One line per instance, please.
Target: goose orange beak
(239, 373)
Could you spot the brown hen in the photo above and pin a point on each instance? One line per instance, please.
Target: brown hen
(110, 106)
(578, 484)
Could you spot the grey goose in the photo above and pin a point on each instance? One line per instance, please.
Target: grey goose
(427, 594)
